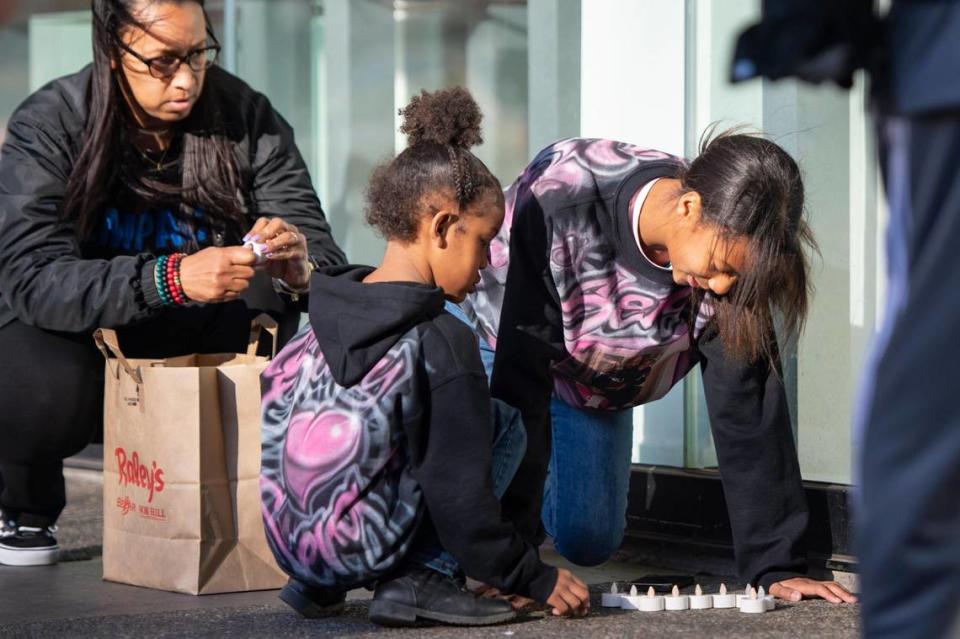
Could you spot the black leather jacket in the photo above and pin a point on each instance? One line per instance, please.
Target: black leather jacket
(45, 279)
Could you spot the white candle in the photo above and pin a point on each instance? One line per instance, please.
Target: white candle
(652, 602)
(676, 601)
(746, 594)
(631, 601)
(752, 604)
(611, 599)
(769, 600)
(700, 601)
(723, 600)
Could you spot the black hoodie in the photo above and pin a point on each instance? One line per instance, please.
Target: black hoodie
(447, 425)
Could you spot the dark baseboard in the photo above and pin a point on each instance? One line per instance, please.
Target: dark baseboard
(678, 516)
(90, 458)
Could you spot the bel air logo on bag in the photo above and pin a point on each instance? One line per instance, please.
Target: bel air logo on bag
(131, 471)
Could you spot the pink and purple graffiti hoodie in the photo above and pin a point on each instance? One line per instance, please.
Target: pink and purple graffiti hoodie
(575, 309)
(376, 415)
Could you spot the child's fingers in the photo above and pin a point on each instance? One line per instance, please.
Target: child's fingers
(571, 599)
(559, 605)
(580, 590)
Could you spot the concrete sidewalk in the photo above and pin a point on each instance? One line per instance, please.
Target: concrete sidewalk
(71, 600)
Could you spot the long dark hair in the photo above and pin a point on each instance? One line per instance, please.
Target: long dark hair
(750, 187)
(210, 174)
(441, 128)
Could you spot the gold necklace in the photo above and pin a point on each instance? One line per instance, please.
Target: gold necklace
(158, 163)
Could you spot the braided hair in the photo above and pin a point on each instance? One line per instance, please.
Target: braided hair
(441, 127)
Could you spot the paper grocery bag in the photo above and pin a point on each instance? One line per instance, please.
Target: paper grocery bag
(181, 471)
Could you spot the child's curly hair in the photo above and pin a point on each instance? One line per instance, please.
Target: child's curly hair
(441, 127)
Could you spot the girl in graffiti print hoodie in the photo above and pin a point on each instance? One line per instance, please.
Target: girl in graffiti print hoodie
(380, 461)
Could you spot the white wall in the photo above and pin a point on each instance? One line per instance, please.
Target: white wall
(70, 30)
(632, 84)
(632, 72)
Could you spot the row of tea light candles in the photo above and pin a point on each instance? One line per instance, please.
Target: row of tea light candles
(751, 601)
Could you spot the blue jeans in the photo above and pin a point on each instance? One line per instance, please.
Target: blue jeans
(585, 496)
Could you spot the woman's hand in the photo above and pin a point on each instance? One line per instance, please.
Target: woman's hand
(797, 588)
(570, 596)
(286, 250)
(216, 274)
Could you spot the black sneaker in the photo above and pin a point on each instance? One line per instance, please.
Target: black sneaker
(427, 594)
(312, 603)
(25, 545)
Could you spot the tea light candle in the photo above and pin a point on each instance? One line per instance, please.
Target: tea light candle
(652, 602)
(611, 599)
(631, 601)
(700, 601)
(259, 249)
(769, 600)
(753, 605)
(723, 600)
(676, 601)
(746, 594)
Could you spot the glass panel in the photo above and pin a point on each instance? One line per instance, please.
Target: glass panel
(376, 55)
(712, 99)
(827, 131)
(275, 39)
(632, 89)
(27, 61)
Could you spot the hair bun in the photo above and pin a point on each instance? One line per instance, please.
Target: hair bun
(447, 117)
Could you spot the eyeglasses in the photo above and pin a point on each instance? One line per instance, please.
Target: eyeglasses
(166, 65)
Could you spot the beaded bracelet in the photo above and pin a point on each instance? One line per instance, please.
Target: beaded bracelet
(166, 275)
(172, 277)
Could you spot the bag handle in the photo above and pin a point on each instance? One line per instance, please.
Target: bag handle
(259, 323)
(106, 339)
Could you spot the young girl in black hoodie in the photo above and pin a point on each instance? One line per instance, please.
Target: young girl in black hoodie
(380, 461)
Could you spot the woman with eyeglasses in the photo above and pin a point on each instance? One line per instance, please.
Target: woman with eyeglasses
(127, 192)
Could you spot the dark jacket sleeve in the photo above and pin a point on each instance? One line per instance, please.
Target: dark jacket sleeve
(281, 185)
(530, 339)
(751, 428)
(814, 41)
(451, 459)
(43, 278)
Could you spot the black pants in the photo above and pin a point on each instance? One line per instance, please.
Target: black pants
(909, 419)
(51, 393)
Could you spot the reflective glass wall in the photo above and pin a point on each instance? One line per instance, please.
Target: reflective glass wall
(644, 71)
(828, 132)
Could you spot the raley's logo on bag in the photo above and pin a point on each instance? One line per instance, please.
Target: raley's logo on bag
(133, 472)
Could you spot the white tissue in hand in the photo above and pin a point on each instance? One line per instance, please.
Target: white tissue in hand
(259, 249)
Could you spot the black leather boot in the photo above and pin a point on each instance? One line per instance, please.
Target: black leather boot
(312, 603)
(427, 594)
